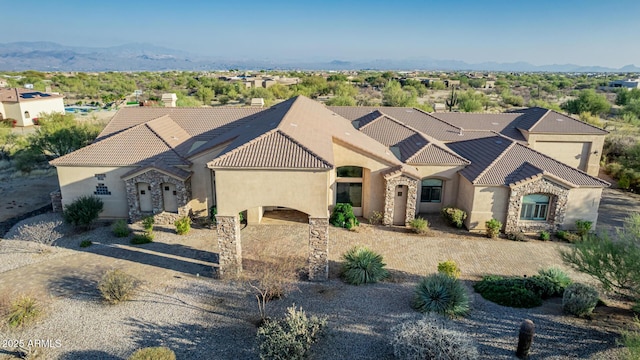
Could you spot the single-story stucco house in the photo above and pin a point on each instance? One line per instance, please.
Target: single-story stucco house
(532, 169)
(25, 105)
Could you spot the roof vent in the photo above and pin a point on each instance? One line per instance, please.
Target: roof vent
(460, 132)
(559, 119)
(418, 144)
(498, 141)
(292, 124)
(409, 110)
(495, 123)
(346, 133)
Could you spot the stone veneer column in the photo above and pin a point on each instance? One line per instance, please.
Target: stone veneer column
(318, 249)
(390, 194)
(230, 258)
(56, 201)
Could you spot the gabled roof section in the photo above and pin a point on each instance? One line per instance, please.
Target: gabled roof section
(415, 118)
(172, 171)
(135, 146)
(540, 120)
(434, 154)
(501, 161)
(387, 131)
(205, 123)
(169, 131)
(274, 149)
(400, 170)
(499, 123)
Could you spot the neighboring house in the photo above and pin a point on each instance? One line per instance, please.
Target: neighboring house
(628, 84)
(24, 105)
(533, 169)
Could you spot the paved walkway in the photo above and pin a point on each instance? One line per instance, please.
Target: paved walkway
(406, 254)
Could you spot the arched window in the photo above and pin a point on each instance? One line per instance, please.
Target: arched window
(349, 185)
(431, 190)
(26, 115)
(534, 207)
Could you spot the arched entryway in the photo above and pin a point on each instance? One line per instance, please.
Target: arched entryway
(401, 191)
(230, 244)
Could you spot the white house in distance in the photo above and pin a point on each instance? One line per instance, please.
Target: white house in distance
(24, 105)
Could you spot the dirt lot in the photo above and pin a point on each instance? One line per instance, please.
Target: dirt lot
(22, 194)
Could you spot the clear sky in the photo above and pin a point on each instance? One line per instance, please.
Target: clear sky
(583, 32)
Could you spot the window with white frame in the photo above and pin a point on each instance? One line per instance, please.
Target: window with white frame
(535, 207)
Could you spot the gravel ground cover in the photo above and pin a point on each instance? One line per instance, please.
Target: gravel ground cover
(203, 318)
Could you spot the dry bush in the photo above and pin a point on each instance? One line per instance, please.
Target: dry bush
(117, 286)
(272, 275)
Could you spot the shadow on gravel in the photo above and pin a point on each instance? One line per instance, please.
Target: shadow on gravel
(88, 354)
(195, 341)
(74, 286)
(576, 341)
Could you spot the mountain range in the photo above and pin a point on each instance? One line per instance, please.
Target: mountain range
(49, 56)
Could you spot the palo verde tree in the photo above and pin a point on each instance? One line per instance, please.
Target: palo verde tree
(588, 101)
(60, 134)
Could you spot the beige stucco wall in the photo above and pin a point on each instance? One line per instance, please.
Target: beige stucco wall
(78, 181)
(244, 189)
(35, 108)
(569, 149)
(373, 185)
(201, 182)
(3, 112)
(449, 175)
(482, 203)
(583, 204)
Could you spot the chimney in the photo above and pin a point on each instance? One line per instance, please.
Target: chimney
(169, 100)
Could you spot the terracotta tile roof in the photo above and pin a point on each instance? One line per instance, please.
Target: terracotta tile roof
(433, 154)
(499, 161)
(386, 131)
(417, 119)
(500, 123)
(138, 145)
(172, 170)
(271, 150)
(540, 120)
(205, 123)
(22, 95)
(308, 123)
(399, 170)
(169, 131)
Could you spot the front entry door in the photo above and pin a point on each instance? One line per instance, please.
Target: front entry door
(400, 205)
(144, 194)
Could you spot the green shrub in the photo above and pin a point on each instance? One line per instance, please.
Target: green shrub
(213, 211)
(511, 291)
(342, 216)
(555, 281)
(579, 299)
(449, 268)
(153, 353)
(544, 235)
(140, 239)
(561, 234)
(83, 211)
(441, 294)
(583, 227)
(117, 286)
(85, 243)
(183, 225)
(120, 228)
(22, 311)
(363, 266)
(289, 338)
(568, 236)
(454, 216)
(147, 223)
(493, 227)
(631, 340)
(419, 226)
(431, 337)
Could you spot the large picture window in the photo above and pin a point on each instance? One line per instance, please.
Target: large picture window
(534, 207)
(431, 190)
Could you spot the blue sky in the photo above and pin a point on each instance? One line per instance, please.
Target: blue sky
(583, 32)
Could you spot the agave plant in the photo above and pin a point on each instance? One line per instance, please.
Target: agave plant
(441, 294)
(363, 266)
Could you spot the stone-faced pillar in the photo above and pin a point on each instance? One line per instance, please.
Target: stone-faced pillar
(318, 249)
(230, 259)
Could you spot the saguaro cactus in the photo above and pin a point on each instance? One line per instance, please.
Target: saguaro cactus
(527, 330)
(452, 100)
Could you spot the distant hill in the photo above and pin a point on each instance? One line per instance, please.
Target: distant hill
(49, 56)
